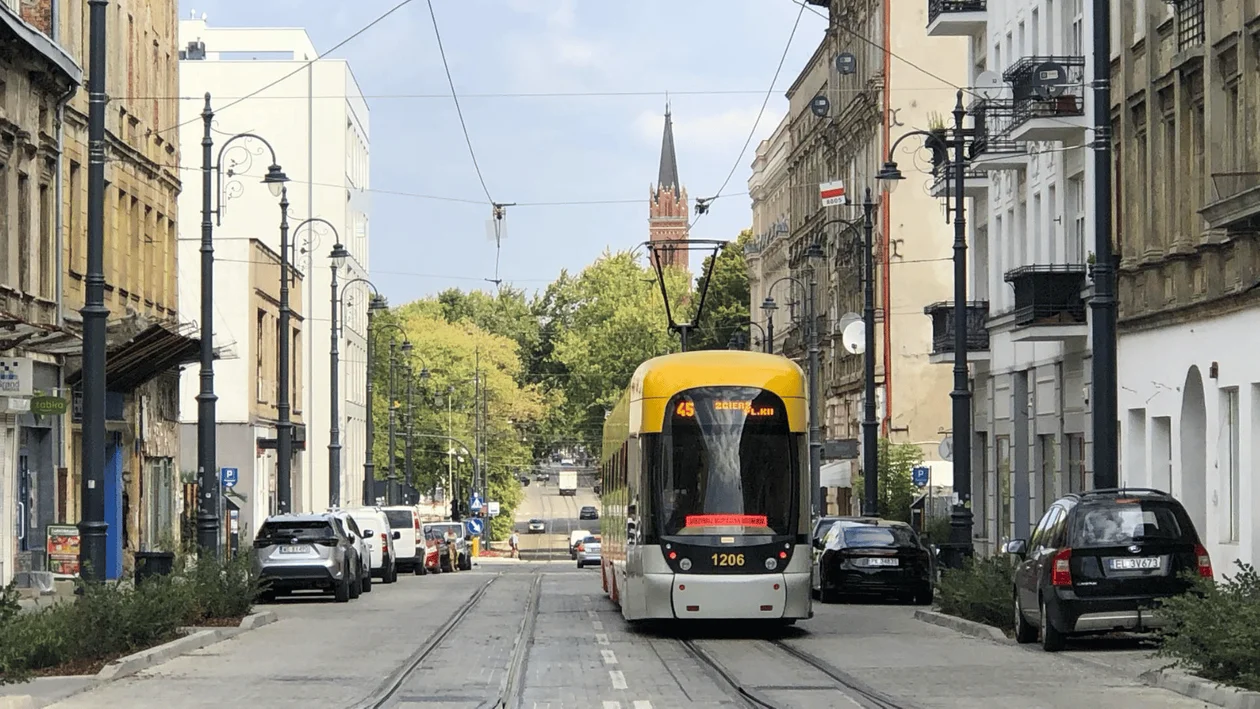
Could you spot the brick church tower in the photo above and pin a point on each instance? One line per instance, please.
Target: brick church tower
(667, 213)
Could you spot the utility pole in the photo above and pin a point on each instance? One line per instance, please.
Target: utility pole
(408, 471)
(369, 466)
(870, 427)
(815, 394)
(390, 497)
(1103, 304)
(92, 525)
(207, 482)
(284, 427)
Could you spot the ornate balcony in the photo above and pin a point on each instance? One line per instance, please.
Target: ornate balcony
(956, 18)
(975, 185)
(1048, 303)
(1049, 99)
(992, 149)
(942, 315)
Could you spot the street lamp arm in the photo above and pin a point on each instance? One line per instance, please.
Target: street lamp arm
(452, 439)
(274, 174)
(389, 326)
(309, 223)
(931, 141)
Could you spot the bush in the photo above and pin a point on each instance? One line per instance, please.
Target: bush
(9, 606)
(980, 591)
(1214, 631)
(111, 620)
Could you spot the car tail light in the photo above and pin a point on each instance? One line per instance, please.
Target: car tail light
(415, 524)
(1204, 561)
(579, 547)
(384, 540)
(1060, 569)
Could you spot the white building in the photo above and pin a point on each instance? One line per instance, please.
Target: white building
(316, 119)
(1031, 231)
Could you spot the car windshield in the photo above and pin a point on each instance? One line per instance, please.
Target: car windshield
(455, 529)
(399, 519)
(281, 532)
(1120, 522)
(589, 541)
(866, 535)
(535, 521)
(727, 463)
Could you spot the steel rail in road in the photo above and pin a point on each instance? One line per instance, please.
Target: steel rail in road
(509, 689)
(755, 696)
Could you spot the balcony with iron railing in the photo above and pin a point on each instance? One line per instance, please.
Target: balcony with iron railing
(942, 315)
(992, 148)
(1048, 94)
(975, 182)
(956, 18)
(1048, 303)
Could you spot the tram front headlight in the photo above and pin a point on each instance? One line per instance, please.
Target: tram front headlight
(685, 564)
(771, 564)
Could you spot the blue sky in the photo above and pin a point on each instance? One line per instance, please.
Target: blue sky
(545, 149)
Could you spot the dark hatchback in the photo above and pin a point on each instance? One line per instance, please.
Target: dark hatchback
(1100, 562)
(588, 513)
(872, 557)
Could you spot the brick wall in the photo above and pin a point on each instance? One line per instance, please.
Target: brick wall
(37, 13)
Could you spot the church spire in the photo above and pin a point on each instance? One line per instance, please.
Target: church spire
(668, 176)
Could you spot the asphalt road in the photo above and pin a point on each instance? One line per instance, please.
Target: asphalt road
(560, 513)
(544, 635)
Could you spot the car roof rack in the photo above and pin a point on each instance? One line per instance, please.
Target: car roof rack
(1123, 491)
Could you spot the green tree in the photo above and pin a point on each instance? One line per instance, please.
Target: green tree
(896, 484)
(614, 319)
(726, 302)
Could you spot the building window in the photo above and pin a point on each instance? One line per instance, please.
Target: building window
(75, 220)
(5, 210)
(260, 374)
(45, 242)
(1005, 487)
(1189, 24)
(980, 496)
(1076, 209)
(1047, 453)
(1233, 467)
(1076, 462)
(1076, 29)
(295, 372)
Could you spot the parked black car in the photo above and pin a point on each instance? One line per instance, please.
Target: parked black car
(872, 557)
(1101, 561)
(588, 512)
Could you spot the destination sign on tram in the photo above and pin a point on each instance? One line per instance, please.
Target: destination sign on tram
(726, 520)
(687, 409)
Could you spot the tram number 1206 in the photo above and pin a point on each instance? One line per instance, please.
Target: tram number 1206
(728, 559)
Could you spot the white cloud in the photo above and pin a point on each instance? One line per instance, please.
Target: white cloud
(721, 132)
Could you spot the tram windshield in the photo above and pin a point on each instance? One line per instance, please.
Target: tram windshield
(728, 463)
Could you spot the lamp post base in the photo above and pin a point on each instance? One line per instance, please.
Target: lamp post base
(959, 548)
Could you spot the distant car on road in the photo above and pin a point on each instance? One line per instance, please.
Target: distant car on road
(575, 538)
(537, 526)
(588, 552)
(588, 512)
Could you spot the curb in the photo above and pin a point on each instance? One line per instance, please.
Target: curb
(1182, 683)
(126, 666)
(197, 639)
(966, 627)
(1201, 689)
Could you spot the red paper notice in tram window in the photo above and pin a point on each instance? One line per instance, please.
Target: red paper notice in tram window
(726, 520)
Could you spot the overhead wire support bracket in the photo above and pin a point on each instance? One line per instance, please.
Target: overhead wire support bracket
(715, 246)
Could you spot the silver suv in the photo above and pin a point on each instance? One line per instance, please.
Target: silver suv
(299, 552)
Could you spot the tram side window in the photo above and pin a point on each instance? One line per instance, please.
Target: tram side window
(727, 459)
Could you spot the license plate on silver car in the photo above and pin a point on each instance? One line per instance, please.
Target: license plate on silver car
(294, 549)
(1149, 562)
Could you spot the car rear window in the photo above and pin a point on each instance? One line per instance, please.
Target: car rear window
(865, 535)
(590, 540)
(1119, 522)
(399, 519)
(456, 529)
(303, 531)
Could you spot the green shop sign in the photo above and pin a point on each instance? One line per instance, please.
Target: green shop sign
(48, 406)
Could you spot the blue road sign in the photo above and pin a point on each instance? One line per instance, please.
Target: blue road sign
(475, 503)
(474, 526)
(920, 475)
(229, 476)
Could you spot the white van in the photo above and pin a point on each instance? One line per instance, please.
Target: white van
(409, 545)
(380, 541)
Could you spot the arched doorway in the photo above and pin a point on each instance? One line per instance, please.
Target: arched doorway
(1192, 489)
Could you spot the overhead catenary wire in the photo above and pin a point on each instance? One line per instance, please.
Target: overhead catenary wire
(381, 18)
(526, 95)
(455, 97)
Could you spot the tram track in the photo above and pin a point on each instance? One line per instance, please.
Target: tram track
(508, 692)
(762, 696)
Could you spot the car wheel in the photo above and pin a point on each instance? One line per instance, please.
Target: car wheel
(465, 563)
(391, 572)
(1052, 639)
(419, 569)
(367, 581)
(579, 563)
(342, 590)
(923, 597)
(1025, 632)
(267, 596)
(356, 586)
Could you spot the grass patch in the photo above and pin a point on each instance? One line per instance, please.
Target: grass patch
(1214, 630)
(111, 620)
(980, 591)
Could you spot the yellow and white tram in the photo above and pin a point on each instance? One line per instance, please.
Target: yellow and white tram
(705, 474)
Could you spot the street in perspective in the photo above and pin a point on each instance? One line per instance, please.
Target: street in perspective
(338, 367)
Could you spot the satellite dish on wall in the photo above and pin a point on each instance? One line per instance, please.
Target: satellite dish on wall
(848, 319)
(854, 337)
(990, 85)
